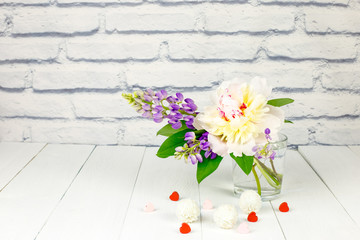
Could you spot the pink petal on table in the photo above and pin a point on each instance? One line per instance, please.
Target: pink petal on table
(149, 207)
(207, 205)
(243, 228)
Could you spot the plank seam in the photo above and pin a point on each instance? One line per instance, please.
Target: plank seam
(277, 219)
(23, 167)
(131, 195)
(56, 206)
(303, 155)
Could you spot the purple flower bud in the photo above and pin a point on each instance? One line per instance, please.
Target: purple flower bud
(148, 98)
(199, 157)
(175, 124)
(272, 156)
(189, 125)
(207, 153)
(179, 149)
(150, 92)
(204, 145)
(255, 148)
(171, 99)
(189, 136)
(189, 100)
(158, 109)
(267, 131)
(189, 118)
(213, 155)
(147, 114)
(146, 107)
(193, 159)
(174, 106)
(180, 97)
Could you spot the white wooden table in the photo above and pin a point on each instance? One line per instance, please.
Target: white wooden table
(83, 192)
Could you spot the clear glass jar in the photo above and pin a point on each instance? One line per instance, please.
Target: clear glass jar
(269, 172)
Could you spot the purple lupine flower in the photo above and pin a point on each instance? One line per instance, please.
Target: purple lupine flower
(189, 136)
(174, 107)
(267, 134)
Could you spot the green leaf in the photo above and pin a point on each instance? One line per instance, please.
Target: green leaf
(207, 167)
(287, 121)
(167, 148)
(167, 130)
(244, 162)
(280, 102)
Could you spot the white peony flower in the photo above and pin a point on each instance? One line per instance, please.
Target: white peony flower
(250, 201)
(187, 211)
(225, 216)
(240, 114)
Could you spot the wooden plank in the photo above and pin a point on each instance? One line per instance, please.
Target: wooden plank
(356, 150)
(95, 206)
(14, 157)
(157, 179)
(314, 211)
(28, 200)
(218, 188)
(338, 167)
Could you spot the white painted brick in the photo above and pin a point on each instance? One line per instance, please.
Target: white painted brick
(338, 132)
(340, 2)
(297, 133)
(279, 74)
(28, 49)
(67, 21)
(76, 76)
(246, 18)
(321, 104)
(83, 132)
(345, 21)
(34, 105)
(195, 1)
(11, 130)
(151, 18)
(173, 74)
(2, 23)
(113, 48)
(214, 47)
(342, 77)
(141, 132)
(97, 1)
(26, 2)
(98, 105)
(315, 47)
(13, 77)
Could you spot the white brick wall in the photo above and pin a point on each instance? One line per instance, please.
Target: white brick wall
(65, 63)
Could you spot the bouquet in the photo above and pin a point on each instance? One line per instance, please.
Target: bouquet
(240, 122)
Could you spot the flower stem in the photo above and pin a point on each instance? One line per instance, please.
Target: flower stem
(269, 176)
(256, 179)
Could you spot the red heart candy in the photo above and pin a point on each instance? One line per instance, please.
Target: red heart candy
(252, 217)
(185, 228)
(284, 207)
(174, 196)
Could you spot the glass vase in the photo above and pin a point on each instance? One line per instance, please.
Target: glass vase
(268, 174)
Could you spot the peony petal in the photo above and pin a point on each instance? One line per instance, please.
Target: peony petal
(239, 149)
(260, 86)
(217, 146)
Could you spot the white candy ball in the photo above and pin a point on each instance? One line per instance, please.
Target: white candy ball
(250, 201)
(187, 211)
(225, 216)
